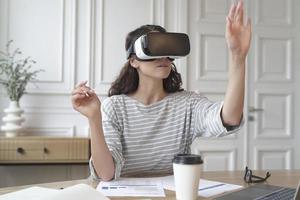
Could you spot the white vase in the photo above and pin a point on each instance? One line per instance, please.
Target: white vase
(13, 119)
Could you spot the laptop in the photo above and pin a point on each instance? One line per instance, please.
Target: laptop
(264, 192)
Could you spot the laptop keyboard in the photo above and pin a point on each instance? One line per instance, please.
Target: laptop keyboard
(282, 194)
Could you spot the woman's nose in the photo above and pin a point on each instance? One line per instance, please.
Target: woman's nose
(166, 59)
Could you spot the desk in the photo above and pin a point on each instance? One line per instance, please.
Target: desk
(288, 178)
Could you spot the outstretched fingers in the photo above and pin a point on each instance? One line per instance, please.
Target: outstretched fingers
(228, 26)
(232, 12)
(239, 12)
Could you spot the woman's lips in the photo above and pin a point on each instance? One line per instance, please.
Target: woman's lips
(162, 66)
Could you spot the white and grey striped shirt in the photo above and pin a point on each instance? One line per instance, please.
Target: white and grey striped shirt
(144, 138)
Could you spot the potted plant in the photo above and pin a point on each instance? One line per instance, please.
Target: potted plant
(15, 74)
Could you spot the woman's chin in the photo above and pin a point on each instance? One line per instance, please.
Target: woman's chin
(163, 75)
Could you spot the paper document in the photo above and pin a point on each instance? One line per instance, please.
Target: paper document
(32, 193)
(76, 192)
(207, 188)
(132, 187)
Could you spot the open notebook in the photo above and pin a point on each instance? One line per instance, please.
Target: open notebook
(76, 192)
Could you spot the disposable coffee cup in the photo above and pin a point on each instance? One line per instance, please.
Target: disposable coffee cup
(187, 171)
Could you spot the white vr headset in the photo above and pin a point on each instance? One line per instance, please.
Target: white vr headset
(155, 45)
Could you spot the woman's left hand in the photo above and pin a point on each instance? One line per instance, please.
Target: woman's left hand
(238, 35)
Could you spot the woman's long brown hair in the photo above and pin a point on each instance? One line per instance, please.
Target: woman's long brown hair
(128, 80)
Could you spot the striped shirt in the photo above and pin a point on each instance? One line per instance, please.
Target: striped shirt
(143, 139)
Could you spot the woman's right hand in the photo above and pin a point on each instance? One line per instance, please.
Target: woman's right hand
(85, 100)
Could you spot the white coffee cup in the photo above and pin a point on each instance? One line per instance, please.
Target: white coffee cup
(187, 170)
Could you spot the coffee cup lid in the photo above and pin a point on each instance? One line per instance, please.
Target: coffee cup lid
(187, 159)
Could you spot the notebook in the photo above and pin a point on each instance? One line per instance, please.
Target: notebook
(264, 192)
(76, 192)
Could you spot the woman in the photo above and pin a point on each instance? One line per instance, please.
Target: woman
(148, 118)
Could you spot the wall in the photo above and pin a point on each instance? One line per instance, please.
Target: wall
(73, 41)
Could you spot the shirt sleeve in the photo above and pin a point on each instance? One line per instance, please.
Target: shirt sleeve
(207, 118)
(112, 133)
(93, 172)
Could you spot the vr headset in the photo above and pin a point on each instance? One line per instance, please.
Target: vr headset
(155, 45)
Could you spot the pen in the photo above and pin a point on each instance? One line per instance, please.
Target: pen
(213, 186)
(125, 186)
(112, 187)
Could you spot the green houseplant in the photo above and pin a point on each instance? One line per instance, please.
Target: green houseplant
(15, 74)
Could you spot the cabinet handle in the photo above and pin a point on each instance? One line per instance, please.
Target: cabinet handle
(46, 151)
(20, 150)
(253, 109)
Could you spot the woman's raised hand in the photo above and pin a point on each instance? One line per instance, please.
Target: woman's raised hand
(85, 100)
(238, 35)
